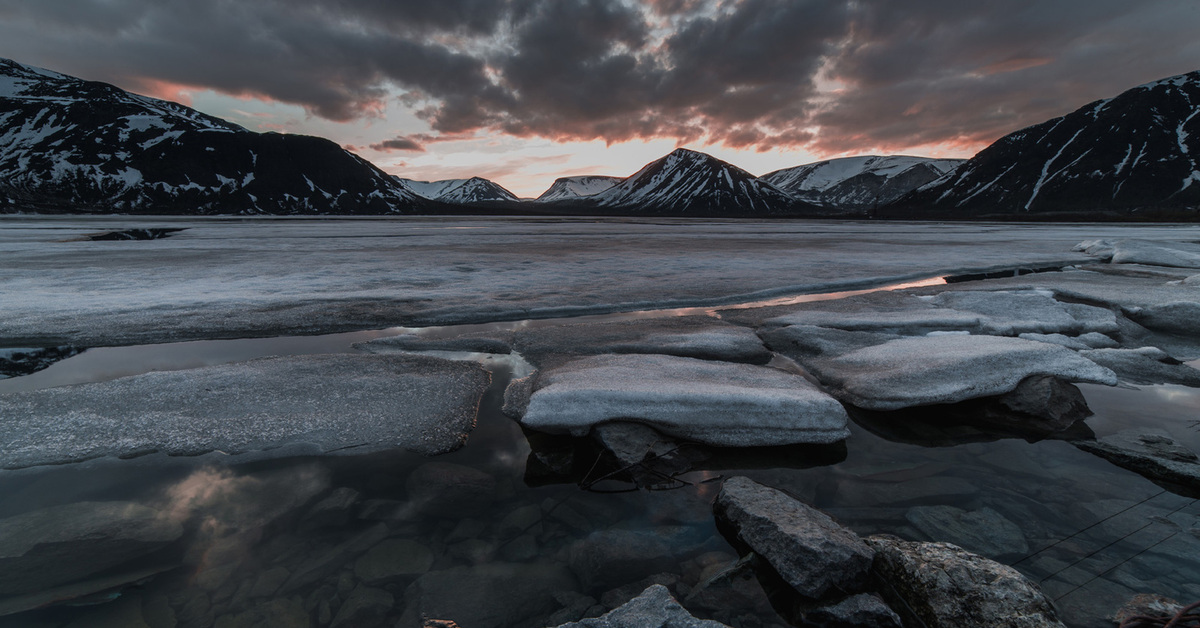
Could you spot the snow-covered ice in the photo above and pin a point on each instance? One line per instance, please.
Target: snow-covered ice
(715, 403)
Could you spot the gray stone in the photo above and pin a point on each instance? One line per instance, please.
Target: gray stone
(520, 549)
(516, 396)
(865, 610)
(1178, 317)
(411, 342)
(325, 563)
(814, 554)
(940, 585)
(365, 607)
(46, 548)
(493, 595)
(1044, 403)
(715, 403)
(622, 594)
(525, 519)
(630, 443)
(1155, 456)
(1146, 365)
(269, 581)
(393, 559)
(612, 557)
(446, 489)
(1147, 605)
(276, 613)
(314, 403)
(654, 608)
(982, 531)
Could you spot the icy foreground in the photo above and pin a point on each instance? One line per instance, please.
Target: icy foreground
(716, 403)
(312, 404)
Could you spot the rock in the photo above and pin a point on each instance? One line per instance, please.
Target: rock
(333, 510)
(325, 563)
(631, 443)
(1044, 403)
(494, 595)
(516, 397)
(940, 585)
(715, 403)
(622, 594)
(1157, 457)
(520, 549)
(365, 607)
(157, 612)
(46, 548)
(654, 608)
(1147, 605)
(613, 557)
(918, 320)
(700, 337)
(524, 519)
(1147, 365)
(269, 581)
(391, 560)
(124, 612)
(982, 531)
(865, 610)
(412, 342)
(276, 613)
(278, 405)
(196, 612)
(875, 494)
(947, 369)
(574, 608)
(445, 489)
(810, 551)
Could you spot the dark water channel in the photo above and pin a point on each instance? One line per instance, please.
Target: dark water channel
(500, 533)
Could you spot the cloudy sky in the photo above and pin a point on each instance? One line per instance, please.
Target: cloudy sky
(523, 91)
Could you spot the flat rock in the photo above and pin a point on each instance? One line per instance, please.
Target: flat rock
(318, 402)
(814, 554)
(864, 610)
(365, 607)
(947, 369)
(446, 489)
(393, 559)
(1146, 365)
(654, 608)
(46, 548)
(276, 613)
(1155, 456)
(607, 558)
(982, 531)
(715, 403)
(940, 585)
(700, 337)
(492, 595)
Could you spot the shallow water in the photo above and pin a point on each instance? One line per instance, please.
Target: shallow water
(252, 545)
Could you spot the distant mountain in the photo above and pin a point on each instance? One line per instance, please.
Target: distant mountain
(569, 188)
(858, 183)
(69, 145)
(459, 191)
(689, 183)
(1134, 155)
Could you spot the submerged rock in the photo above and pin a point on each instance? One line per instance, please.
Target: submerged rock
(811, 552)
(1157, 457)
(947, 369)
(982, 531)
(46, 548)
(940, 585)
(445, 489)
(316, 403)
(611, 557)
(654, 608)
(716, 403)
(493, 595)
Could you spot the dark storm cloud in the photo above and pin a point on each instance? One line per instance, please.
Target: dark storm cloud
(399, 143)
(741, 72)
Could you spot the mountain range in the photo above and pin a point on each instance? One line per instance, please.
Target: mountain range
(74, 146)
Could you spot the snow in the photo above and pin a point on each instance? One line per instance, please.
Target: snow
(823, 175)
(1043, 178)
(576, 187)
(314, 404)
(715, 403)
(952, 368)
(1135, 251)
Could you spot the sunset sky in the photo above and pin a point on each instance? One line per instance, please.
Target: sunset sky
(524, 91)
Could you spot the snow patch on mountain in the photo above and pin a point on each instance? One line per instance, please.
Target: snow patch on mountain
(859, 182)
(459, 191)
(567, 188)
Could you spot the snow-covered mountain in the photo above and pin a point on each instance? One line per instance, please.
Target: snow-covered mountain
(856, 183)
(570, 188)
(689, 183)
(459, 191)
(1138, 153)
(69, 145)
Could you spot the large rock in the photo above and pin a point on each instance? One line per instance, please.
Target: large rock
(947, 369)
(715, 403)
(983, 531)
(1156, 456)
(393, 559)
(365, 607)
(811, 552)
(315, 403)
(940, 585)
(608, 558)
(654, 608)
(493, 595)
(864, 610)
(46, 548)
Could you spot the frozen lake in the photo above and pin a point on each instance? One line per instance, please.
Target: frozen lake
(217, 524)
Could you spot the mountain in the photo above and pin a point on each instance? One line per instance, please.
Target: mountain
(459, 191)
(689, 183)
(857, 183)
(567, 188)
(1136, 155)
(69, 145)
